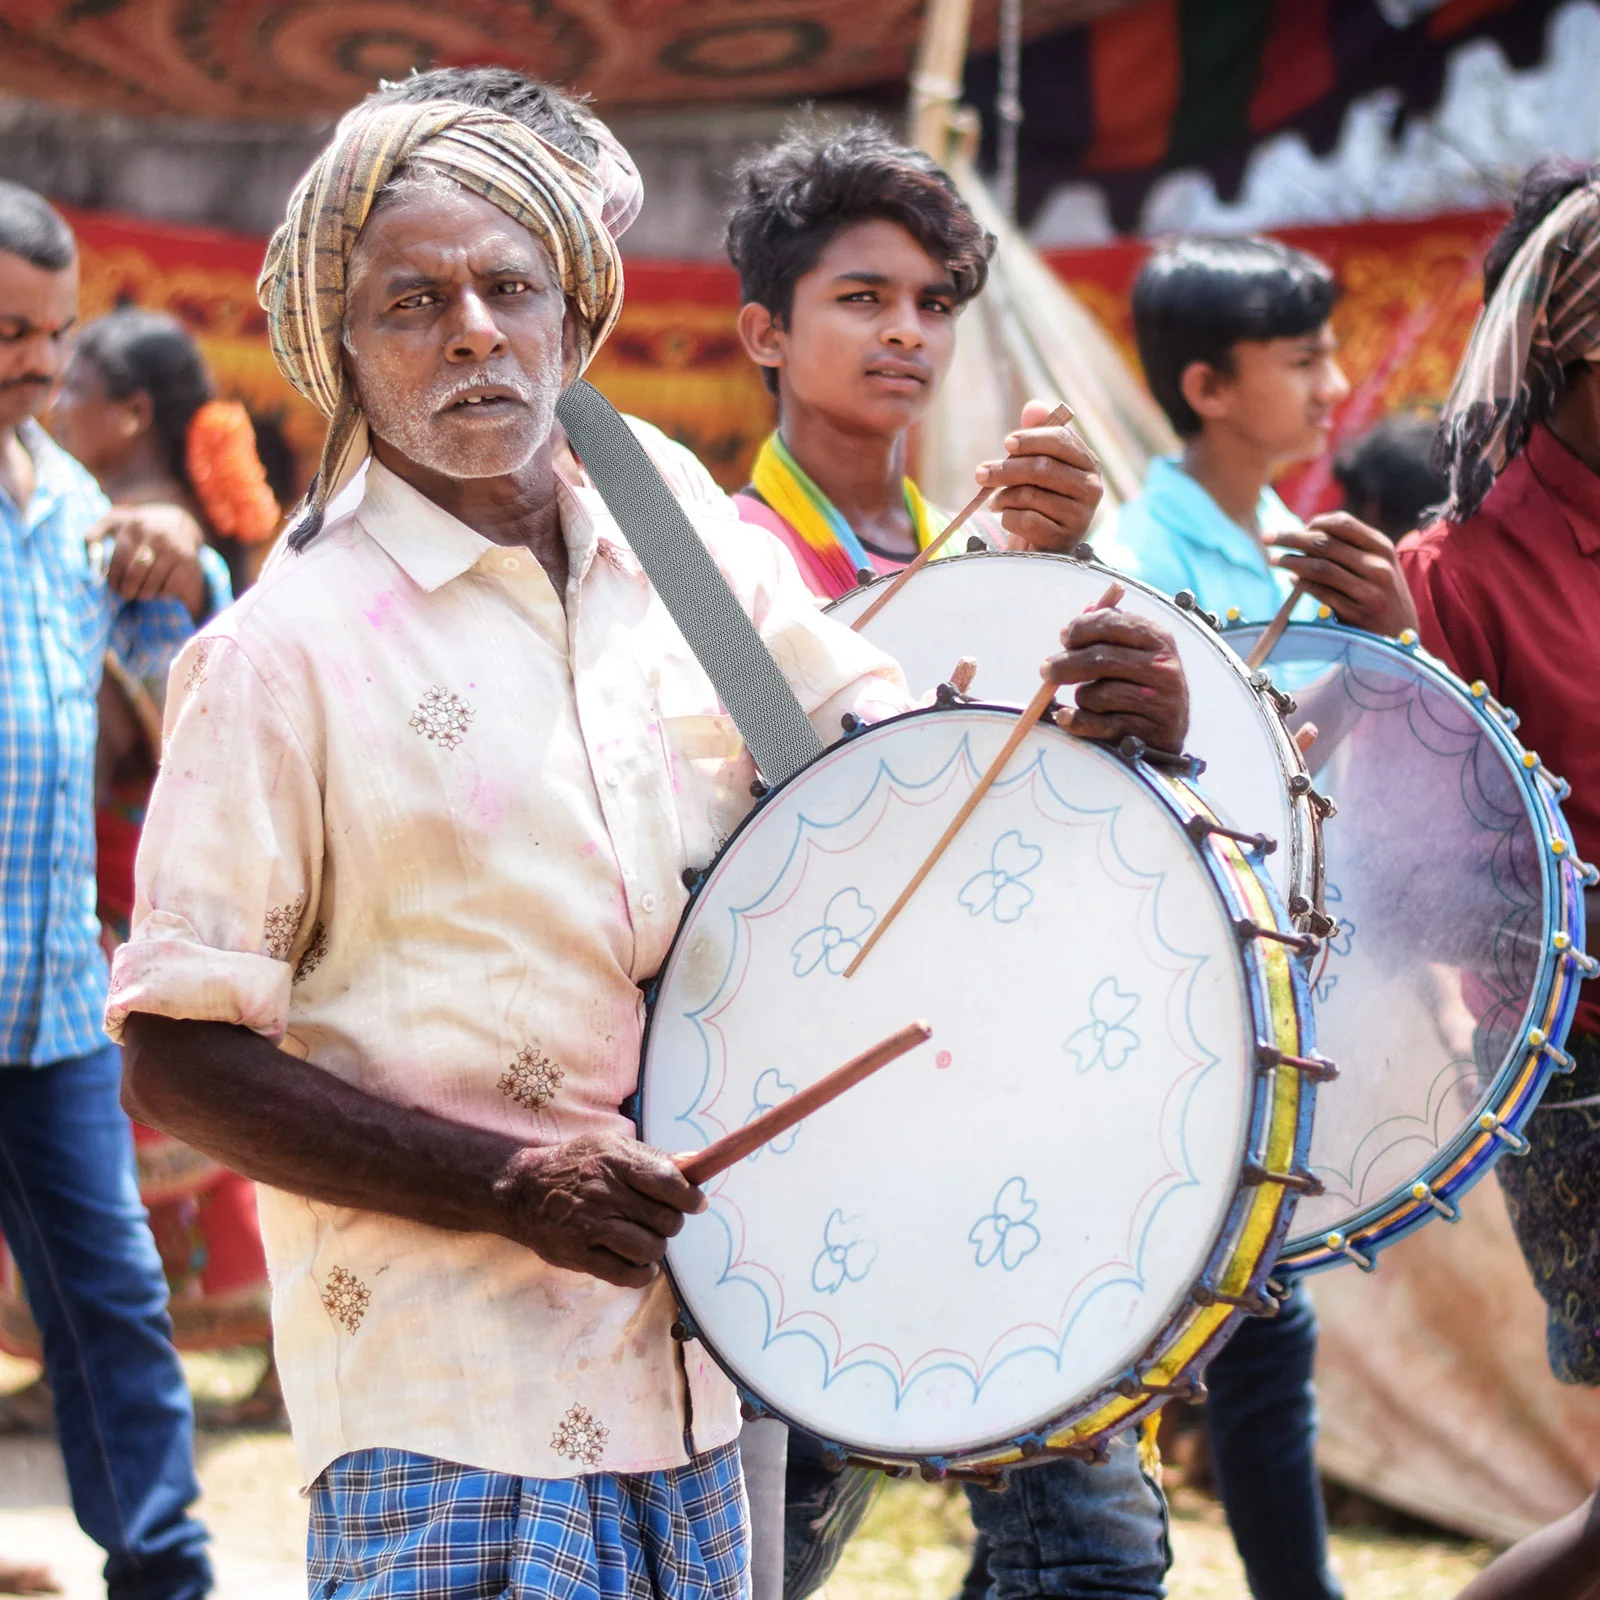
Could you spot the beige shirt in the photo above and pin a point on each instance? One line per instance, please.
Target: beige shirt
(426, 828)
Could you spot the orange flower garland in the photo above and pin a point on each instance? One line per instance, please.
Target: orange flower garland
(227, 474)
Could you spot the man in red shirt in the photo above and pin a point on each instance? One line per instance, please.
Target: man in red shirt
(1507, 590)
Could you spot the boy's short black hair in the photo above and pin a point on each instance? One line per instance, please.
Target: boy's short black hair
(31, 227)
(1195, 299)
(553, 115)
(795, 196)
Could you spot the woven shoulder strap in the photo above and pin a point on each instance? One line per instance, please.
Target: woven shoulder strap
(770, 720)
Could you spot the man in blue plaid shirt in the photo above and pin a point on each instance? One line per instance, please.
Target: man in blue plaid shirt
(73, 584)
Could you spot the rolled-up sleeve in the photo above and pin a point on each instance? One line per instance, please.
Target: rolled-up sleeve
(230, 862)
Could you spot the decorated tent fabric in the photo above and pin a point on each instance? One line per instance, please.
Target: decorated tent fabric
(287, 60)
(1163, 84)
(1411, 296)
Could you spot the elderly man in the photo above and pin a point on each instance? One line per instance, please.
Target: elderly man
(69, 1196)
(429, 793)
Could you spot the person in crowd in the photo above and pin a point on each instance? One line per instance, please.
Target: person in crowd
(137, 407)
(1506, 586)
(1388, 476)
(73, 584)
(856, 256)
(410, 1006)
(1236, 345)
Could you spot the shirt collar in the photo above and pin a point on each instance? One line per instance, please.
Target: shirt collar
(432, 547)
(1573, 487)
(52, 476)
(1178, 502)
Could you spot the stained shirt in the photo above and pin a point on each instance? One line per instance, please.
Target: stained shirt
(427, 829)
(58, 617)
(1511, 595)
(1173, 535)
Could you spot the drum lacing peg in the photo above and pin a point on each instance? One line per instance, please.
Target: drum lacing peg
(834, 1459)
(1082, 551)
(1563, 945)
(1302, 943)
(759, 788)
(1318, 923)
(1257, 1305)
(1424, 1192)
(1133, 1386)
(1132, 748)
(1307, 1183)
(1317, 1068)
(947, 695)
(691, 878)
(1031, 1445)
(683, 1330)
(900, 1470)
(1514, 1142)
(1096, 1454)
(1184, 600)
(1539, 1040)
(1197, 827)
(1407, 639)
(976, 544)
(864, 576)
(935, 1469)
(751, 1409)
(1559, 787)
(1284, 704)
(1480, 691)
(1342, 1246)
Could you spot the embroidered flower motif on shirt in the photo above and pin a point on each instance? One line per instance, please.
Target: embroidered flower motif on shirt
(311, 956)
(345, 1299)
(531, 1079)
(283, 923)
(580, 1438)
(442, 717)
(197, 666)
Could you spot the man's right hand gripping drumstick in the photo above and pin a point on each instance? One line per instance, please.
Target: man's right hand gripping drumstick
(1131, 682)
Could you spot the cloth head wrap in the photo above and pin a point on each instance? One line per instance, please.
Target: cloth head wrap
(1544, 316)
(304, 280)
(621, 187)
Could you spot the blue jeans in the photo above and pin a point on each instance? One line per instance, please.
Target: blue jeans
(1068, 1528)
(70, 1210)
(1262, 1419)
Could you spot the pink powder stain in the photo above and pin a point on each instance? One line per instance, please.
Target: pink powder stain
(942, 1060)
(382, 609)
(589, 849)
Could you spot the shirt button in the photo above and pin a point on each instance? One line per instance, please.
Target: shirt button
(510, 563)
(647, 901)
(613, 777)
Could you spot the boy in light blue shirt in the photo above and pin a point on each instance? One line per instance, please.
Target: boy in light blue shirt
(1237, 349)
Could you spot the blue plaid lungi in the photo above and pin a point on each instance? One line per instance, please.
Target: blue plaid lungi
(390, 1523)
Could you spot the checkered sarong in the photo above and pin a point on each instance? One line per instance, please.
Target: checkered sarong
(390, 1523)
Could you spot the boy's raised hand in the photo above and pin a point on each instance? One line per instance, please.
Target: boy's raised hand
(1048, 484)
(1351, 568)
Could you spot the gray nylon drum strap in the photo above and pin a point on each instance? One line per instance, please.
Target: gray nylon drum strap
(770, 720)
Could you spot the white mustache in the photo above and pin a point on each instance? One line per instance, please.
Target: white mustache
(517, 383)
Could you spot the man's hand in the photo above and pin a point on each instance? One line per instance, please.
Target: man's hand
(1130, 679)
(1350, 568)
(155, 554)
(599, 1204)
(1049, 484)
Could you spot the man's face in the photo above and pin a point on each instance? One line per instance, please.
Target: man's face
(457, 336)
(37, 310)
(1281, 395)
(870, 334)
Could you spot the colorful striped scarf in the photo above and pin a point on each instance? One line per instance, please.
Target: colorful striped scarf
(839, 555)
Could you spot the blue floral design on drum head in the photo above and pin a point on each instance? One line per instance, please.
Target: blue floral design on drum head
(771, 1091)
(847, 1254)
(1007, 1233)
(1001, 888)
(1107, 1041)
(846, 921)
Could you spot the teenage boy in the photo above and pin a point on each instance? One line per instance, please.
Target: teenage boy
(1236, 345)
(855, 258)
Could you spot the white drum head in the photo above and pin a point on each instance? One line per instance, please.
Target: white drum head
(1008, 610)
(991, 1230)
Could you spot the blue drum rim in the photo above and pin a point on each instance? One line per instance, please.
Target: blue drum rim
(1517, 1088)
(1221, 858)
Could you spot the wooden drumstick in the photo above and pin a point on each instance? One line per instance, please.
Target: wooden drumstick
(1029, 718)
(1058, 418)
(732, 1148)
(1267, 642)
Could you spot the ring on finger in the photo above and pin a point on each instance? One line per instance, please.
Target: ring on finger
(144, 556)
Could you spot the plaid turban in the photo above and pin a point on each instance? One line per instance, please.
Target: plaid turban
(1544, 317)
(304, 280)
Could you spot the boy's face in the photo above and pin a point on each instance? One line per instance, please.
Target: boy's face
(1279, 398)
(870, 334)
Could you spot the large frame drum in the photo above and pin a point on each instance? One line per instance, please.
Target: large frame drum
(1448, 989)
(1023, 1236)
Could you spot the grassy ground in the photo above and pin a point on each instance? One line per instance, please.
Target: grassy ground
(914, 1545)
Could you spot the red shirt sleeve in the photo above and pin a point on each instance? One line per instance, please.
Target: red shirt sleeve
(1455, 625)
